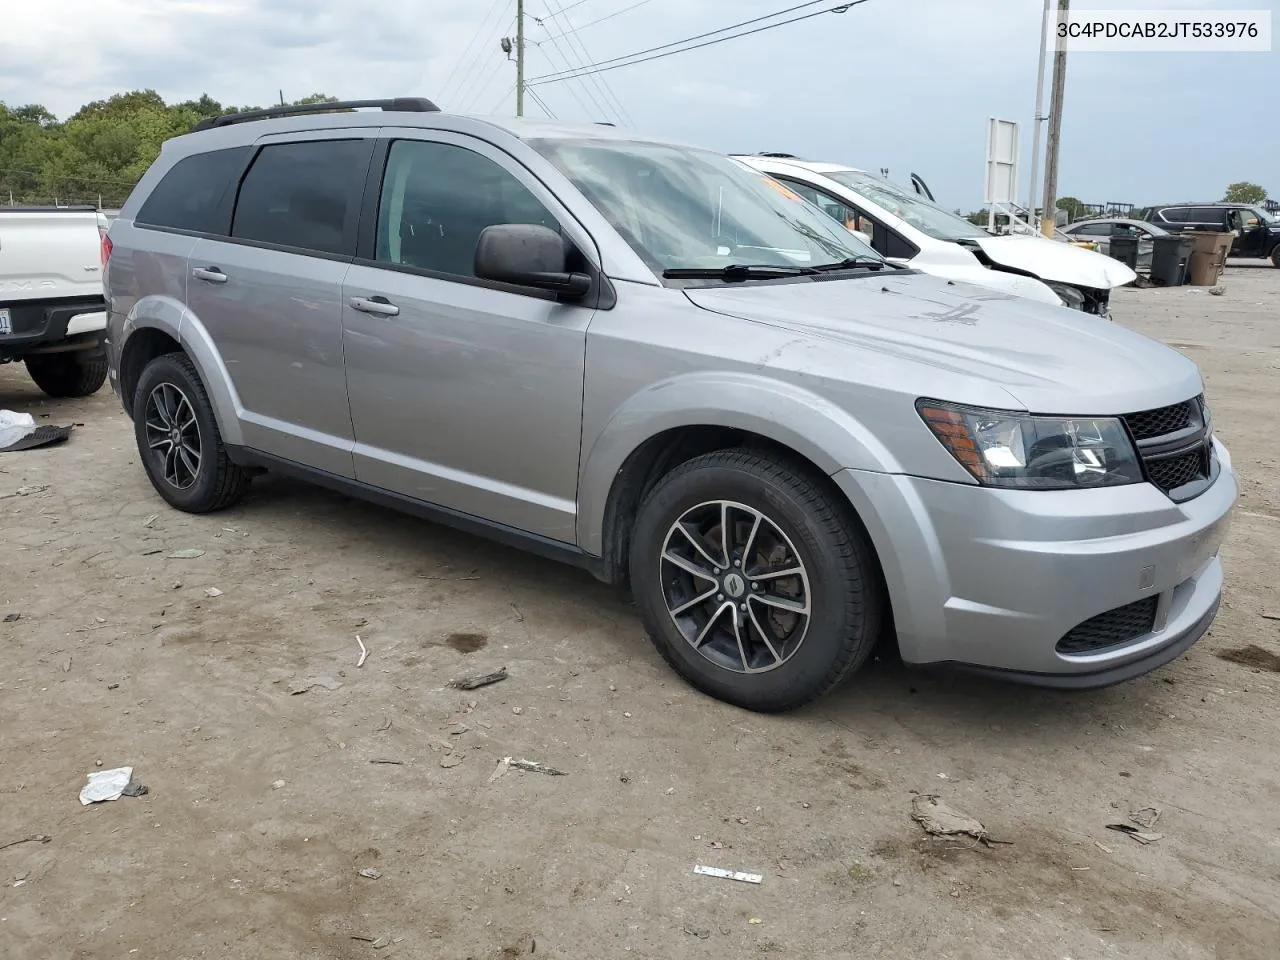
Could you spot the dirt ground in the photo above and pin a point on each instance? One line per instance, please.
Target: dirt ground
(266, 803)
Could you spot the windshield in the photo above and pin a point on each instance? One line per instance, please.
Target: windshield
(1266, 215)
(925, 215)
(681, 208)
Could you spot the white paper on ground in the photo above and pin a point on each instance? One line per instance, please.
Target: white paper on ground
(14, 426)
(106, 785)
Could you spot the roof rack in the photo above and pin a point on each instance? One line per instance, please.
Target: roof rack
(400, 104)
(777, 156)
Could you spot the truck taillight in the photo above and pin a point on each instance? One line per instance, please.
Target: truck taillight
(106, 250)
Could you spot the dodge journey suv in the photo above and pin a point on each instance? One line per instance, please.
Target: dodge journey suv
(654, 362)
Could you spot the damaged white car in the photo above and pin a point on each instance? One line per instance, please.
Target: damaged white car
(907, 228)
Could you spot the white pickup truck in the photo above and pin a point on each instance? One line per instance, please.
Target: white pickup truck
(52, 310)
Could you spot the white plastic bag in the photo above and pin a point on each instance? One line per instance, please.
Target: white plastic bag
(14, 426)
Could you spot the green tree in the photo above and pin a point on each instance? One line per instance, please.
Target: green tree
(1245, 192)
(1071, 205)
(101, 151)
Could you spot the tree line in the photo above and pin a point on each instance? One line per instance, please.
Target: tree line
(99, 153)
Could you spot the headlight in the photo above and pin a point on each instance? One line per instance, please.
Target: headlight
(1069, 295)
(1001, 448)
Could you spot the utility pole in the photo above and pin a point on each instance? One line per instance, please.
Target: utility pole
(1048, 223)
(1038, 118)
(519, 58)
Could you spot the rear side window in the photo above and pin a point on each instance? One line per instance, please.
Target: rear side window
(197, 192)
(1176, 215)
(304, 195)
(1206, 215)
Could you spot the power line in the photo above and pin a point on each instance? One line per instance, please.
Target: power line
(475, 71)
(575, 37)
(505, 94)
(711, 33)
(471, 43)
(538, 100)
(573, 90)
(602, 86)
(484, 31)
(616, 13)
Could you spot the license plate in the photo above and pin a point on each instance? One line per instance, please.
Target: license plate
(6, 322)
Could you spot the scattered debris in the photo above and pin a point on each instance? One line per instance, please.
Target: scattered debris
(66, 666)
(371, 873)
(1141, 836)
(729, 874)
(151, 519)
(18, 431)
(113, 686)
(940, 820)
(702, 933)
(12, 617)
(452, 759)
(105, 785)
(517, 710)
(364, 653)
(213, 593)
(302, 686)
(1146, 817)
(474, 681)
(1103, 847)
(755, 921)
(277, 784)
(385, 726)
(188, 554)
(378, 942)
(459, 729)
(151, 553)
(135, 789)
(27, 490)
(1217, 291)
(1270, 616)
(34, 838)
(530, 766)
(396, 763)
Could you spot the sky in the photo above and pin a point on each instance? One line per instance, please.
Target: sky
(906, 85)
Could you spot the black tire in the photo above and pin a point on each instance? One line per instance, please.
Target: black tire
(1275, 256)
(842, 587)
(72, 374)
(216, 482)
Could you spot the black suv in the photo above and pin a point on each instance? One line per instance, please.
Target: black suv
(1257, 232)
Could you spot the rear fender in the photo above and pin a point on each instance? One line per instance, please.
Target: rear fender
(169, 316)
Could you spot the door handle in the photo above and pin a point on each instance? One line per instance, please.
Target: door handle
(209, 274)
(380, 306)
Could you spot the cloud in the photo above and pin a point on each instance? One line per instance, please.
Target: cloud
(903, 84)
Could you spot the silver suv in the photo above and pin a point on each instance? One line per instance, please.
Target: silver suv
(653, 362)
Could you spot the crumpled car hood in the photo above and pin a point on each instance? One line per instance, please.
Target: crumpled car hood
(1050, 359)
(1052, 260)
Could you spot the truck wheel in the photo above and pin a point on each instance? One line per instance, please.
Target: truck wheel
(753, 581)
(1275, 255)
(75, 374)
(178, 438)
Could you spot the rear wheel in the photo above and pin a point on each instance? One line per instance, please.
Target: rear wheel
(754, 582)
(71, 374)
(1275, 255)
(178, 438)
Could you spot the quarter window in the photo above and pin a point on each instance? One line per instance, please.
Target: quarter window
(305, 195)
(437, 198)
(197, 192)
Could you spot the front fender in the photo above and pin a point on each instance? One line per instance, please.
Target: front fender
(796, 418)
(169, 316)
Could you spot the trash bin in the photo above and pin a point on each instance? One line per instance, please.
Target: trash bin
(1170, 257)
(1208, 256)
(1124, 247)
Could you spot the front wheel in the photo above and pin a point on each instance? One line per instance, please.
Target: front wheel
(754, 582)
(178, 438)
(75, 373)
(1275, 255)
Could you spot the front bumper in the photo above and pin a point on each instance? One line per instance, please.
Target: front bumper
(994, 579)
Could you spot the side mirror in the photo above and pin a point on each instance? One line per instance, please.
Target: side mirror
(528, 255)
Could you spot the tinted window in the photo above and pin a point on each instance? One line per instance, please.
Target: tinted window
(1205, 215)
(1175, 214)
(196, 194)
(436, 198)
(1092, 230)
(304, 195)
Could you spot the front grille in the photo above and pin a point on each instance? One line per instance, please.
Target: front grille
(1173, 472)
(1112, 628)
(1158, 422)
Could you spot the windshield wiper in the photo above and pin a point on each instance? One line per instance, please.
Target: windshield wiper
(850, 263)
(736, 271)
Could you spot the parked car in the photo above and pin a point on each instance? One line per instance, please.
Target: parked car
(648, 360)
(907, 228)
(1101, 230)
(52, 308)
(1257, 230)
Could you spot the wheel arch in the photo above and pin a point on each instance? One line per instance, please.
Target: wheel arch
(159, 325)
(673, 423)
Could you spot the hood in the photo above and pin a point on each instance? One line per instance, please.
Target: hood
(1049, 359)
(1051, 260)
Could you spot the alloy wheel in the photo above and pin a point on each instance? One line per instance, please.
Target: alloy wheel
(735, 586)
(173, 435)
